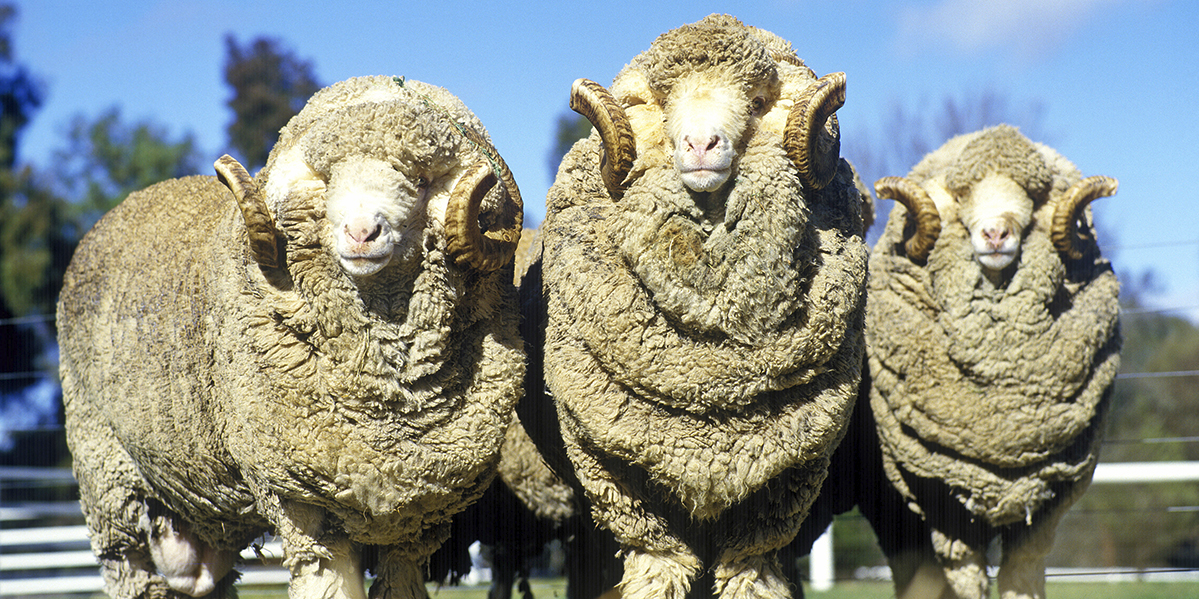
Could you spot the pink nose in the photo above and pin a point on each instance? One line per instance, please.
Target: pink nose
(703, 146)
(363, 230)
(995, 236)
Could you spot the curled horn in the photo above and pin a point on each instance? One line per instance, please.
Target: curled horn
(922, 213)
(591, 100)
(467, 243)
(260, 227)
(812, 136)
(1065, 217)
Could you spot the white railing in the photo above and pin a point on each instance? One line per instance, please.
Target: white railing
(55, 560)
(821, 563)
(38, 559)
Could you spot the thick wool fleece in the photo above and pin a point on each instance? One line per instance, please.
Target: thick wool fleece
(703, 352)
(998, 392)
(193, 381)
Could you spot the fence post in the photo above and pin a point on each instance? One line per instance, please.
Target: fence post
(821, 561)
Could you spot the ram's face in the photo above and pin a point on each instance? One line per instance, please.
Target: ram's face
(996, 211)
(373, 209)
(708, 115)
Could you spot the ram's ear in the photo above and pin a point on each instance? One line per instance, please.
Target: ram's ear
(260, 227)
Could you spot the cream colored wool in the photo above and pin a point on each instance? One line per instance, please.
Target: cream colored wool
(998, 391)
(703, 349)
(338, 412)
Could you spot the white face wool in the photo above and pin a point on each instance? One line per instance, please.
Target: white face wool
(705, 120)
(372, 208)
(996, 212)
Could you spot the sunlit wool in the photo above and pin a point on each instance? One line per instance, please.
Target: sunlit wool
(309, 355)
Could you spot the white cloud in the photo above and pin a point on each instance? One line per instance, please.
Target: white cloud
(1025, 27)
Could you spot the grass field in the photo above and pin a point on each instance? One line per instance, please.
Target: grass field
(555, 589)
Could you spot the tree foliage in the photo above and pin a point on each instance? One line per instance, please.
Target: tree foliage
(1152, 419)
(29, 247)
(23, 211)
(270, 85)
(571, 127)
(20, 92)
(106, 159)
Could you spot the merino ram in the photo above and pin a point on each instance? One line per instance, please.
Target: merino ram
(330, 352)
(993, 340)
(702, 280)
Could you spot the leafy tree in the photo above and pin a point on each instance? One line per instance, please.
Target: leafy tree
(36, 241)
(20, 93)
(1152, 418)
(27, 286)
(42, 219)
(571, 128)
(106, 159)
(270, 85)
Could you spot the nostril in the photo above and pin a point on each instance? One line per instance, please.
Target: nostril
(363, 232)
(707, 145)
(996, 236)
(374, 234)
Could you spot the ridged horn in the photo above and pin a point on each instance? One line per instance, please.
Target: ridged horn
(1065, 217)
(260, 227)
(593, 101)
(812, 136)
(922, 216)
(466, 241)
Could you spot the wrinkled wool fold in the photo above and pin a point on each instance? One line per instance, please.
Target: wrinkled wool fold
(714, 417)
(701, 305)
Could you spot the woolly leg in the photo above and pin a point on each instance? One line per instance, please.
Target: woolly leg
(397, 576)
(766, 522)
(656, 564)
(1022, 571)
(327, 568)
(921, 577)
(965, 567)
(1022, 577)
(110, 494)
(752, 576)
(657, 576)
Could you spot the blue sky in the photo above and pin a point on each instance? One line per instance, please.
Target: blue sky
(1118, 79)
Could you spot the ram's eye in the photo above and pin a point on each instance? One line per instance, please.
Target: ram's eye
(422, 183)
(756, 105)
